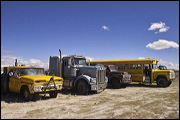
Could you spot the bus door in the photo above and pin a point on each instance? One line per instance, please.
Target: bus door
(147, 73)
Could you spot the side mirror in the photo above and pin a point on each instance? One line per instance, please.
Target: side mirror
(88, 62)
(11, 74)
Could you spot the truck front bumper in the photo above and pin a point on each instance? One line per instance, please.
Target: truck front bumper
(126, 81)
(98, 87)
(172, 79)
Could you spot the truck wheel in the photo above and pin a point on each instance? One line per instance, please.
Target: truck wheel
(124, 85)
(162, 82)
(27, 95)
(53, 94)
(169, 83)
(82, 87)
(115, 83)
(36, 97)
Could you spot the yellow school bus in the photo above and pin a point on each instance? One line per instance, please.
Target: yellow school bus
(142, 70)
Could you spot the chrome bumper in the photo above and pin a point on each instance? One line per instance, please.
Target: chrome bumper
(126, 80)
(98, 87)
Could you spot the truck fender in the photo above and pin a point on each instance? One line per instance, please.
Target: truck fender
(84, 77)
(115, 77)
(28, 86)
(160, 76)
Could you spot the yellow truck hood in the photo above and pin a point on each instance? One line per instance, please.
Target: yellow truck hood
(163, 71)
(35, 78)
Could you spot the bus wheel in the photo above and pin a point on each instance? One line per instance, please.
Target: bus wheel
(115, 83)
(27, 95)
(162, 82)
(82, 87)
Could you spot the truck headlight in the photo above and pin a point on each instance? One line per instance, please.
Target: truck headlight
(58, 86)
(93, 80)
(106, 79)
(171, 75)
(37, 88)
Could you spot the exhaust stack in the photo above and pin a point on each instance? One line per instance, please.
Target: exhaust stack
(16, 64)
(60, 64)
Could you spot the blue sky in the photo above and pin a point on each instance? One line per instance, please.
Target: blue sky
(31, 31)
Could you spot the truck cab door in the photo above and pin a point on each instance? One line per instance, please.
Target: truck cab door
(67, 68)
(108, 72)
(14, 82)
(11, 81)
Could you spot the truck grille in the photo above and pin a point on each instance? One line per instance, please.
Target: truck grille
(101, 76)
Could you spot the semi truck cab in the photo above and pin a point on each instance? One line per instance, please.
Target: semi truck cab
(77, 74)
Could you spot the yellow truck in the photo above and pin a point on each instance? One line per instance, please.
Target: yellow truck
(30, 82)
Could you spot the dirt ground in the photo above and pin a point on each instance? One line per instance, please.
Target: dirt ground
(136, 101)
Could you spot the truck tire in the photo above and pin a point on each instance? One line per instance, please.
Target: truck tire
(162, 82)
(124, 85)
(27, 95)
(82, 87)
(116, 83)
(53, 94)
(36, 97)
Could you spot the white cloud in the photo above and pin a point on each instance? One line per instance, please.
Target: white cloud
(105, 27)
(162, 44)
(141, 57)
(169, 65)
(161, 26)
(163, 29)
(155, 26)
(10, 60)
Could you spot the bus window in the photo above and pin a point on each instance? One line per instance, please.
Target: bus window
(155, 66)
(146, 66)
(116, 66)
(120, 66)
(132, 66)
(138, 66)
(126, 66)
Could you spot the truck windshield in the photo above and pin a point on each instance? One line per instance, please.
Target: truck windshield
(162, 67)
(112, 68)
(31, 71)
(154, 66)
(79, 61)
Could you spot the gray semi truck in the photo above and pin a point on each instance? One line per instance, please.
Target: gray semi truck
(77, 74)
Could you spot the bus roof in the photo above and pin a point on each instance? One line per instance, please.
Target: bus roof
(124, 61)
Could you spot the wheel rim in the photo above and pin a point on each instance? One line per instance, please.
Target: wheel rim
(26, 94)
(161, 82)
(81, 87)
(53, 94)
